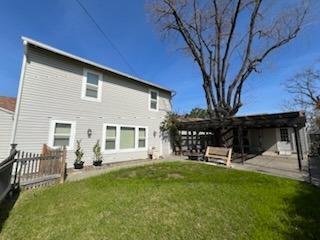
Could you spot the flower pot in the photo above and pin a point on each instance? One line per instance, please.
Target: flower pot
(78, 165)
(97, 163)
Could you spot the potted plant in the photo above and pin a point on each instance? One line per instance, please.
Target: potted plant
(78, 163)
(97, 154)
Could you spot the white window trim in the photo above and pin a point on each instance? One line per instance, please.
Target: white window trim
(72, 133)
(149, 102)
(103, 142)
(145, 137)
(84, 86)
(118, 150)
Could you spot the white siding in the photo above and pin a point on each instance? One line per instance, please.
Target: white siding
(6, 121)
(52, 91)
(270, 140)
(303, 139)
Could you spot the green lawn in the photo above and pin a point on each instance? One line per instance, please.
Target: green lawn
(168, 201)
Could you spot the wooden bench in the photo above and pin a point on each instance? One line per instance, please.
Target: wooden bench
(219, 153)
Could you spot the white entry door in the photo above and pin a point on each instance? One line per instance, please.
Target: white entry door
(284, 143)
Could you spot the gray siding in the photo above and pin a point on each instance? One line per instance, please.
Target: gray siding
(6, 121)
(52, 91)
(303, 139)
(270, 138)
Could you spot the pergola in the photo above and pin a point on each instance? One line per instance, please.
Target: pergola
(295, 120)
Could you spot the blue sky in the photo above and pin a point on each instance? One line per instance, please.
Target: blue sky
(64, 25)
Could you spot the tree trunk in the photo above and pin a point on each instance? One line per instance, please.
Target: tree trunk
(208, 94)
(224, 137)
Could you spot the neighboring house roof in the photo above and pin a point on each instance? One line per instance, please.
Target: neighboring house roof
(8, 103)
(60, 52)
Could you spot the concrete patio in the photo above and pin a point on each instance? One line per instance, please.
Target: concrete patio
(283, 166)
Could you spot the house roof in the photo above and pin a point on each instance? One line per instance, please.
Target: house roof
(8, 103)
(284, 119)
(68, 55)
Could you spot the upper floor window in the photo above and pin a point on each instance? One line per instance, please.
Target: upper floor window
(91, 85)
(62, 133)
(153, 100)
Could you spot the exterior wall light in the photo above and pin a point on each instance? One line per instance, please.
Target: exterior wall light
(89, 133)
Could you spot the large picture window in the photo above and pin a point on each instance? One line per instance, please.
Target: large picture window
(122, 138)
(91, 86)
(127, 137)
(62, 134)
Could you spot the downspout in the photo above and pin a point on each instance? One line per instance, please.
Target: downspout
(297, 139)
(306, 141)
(172, 95)
(18, 103)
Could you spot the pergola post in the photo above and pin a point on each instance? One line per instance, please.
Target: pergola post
(188, 144)
(197, 141)
(297, 140)
(192, 141)
(240, 139)
(207, 138)
(260, 139)
(300, 146)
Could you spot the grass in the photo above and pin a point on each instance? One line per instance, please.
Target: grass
(168, 201)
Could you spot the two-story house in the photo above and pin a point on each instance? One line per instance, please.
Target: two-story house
(63, 98)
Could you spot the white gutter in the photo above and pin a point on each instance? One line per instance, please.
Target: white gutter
(18, 102)
(60, 52)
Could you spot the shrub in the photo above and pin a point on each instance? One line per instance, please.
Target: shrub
(97, 152)
(79, 153)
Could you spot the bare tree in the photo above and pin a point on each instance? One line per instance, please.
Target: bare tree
(305, 90)
(228, 40)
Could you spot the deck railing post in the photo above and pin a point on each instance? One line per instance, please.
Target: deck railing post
(13, 147)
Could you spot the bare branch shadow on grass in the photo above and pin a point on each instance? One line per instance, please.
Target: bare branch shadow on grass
(304, 213)
(6, 205)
